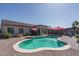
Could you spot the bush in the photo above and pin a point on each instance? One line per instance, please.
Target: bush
(6, 35)
(77, 35)
(77, 40)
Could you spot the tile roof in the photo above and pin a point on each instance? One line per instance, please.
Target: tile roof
(8, 22)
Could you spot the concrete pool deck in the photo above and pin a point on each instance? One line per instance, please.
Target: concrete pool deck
(7, 50)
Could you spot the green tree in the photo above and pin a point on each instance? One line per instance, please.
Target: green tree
(75, 24)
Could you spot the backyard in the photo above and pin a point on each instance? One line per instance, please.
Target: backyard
(69, 35)
(44, 30)
(6, 49)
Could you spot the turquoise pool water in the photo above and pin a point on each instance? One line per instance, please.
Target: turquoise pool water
(39, 42)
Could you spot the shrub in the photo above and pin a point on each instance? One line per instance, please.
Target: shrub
(77, 35)
(77, 40)
(6, 35)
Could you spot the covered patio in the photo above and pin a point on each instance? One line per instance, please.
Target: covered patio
(56, 30)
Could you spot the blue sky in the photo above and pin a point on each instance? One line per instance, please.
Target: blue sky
(51, 14)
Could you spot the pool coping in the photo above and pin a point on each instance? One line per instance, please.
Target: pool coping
(18, 49)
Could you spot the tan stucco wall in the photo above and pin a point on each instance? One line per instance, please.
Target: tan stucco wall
(16, 29)
(43, 29)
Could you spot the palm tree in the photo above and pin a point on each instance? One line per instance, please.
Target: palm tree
(75, 24)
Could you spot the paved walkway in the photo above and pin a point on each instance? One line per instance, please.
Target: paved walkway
(71, 41)
(7, 50)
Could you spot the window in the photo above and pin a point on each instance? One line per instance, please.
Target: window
(10, 30)
(21, 30)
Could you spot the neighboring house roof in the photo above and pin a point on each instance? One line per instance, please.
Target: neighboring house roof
(8, 22)
(42, 26)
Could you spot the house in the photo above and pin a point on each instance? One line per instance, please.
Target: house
(17, 27)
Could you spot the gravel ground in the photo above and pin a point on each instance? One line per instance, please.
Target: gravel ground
(7, 50)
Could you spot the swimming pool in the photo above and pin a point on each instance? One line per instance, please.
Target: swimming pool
(35, 44)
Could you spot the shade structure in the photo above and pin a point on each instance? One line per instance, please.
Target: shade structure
(34, 29)
(57, 28)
